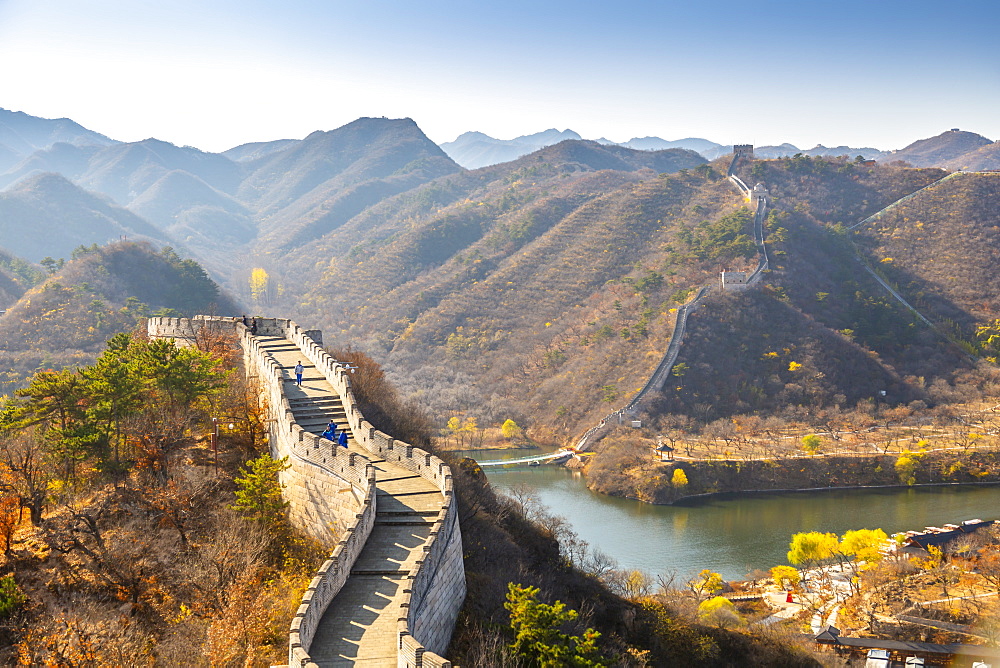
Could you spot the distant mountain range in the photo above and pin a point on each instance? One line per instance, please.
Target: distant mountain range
(523, 288)
(953, 149)
(475, 149)
(71, 186)
(22, 134)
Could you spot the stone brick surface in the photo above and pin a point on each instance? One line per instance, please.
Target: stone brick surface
(390, 593)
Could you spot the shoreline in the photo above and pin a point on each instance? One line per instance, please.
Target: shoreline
(693, 499)
(653, 483)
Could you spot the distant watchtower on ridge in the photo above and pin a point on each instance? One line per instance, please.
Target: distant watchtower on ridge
(735, 280)
(743, 151)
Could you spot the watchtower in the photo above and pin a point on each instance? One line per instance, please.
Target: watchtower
(734, 280)
(743, 151)
(758, 192)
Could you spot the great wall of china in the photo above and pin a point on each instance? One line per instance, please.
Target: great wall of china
(390, 591)
(656, 381)
(358, 493)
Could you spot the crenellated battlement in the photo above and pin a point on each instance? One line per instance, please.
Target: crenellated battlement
(332, 494)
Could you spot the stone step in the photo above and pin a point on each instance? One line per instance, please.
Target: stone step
(312, 415)
(313, 425)
(402, 477)
(314, 400)
(421, 492)
(311, 412)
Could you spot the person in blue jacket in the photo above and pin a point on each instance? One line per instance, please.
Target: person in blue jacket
(343, 438)
(331, 431)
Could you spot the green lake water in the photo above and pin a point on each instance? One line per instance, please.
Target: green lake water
(736, 534)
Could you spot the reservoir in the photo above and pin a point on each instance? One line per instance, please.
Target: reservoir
(732, 535)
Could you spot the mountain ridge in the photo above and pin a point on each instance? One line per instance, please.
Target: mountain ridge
(62, 216)
(939, 150)
(474, 149)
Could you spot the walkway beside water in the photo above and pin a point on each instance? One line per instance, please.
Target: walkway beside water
(360, 627)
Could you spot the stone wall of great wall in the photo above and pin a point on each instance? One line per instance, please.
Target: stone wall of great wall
(332, 495)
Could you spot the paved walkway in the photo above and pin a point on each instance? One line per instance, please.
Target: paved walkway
(359, 627)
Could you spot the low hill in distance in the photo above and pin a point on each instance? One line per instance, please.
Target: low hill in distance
(124, 171)
(101, 291)
(707, 149)
(258, 149)
(941, 150)
(193, 214)
(476, 149)
(356, 152)
(473, 150)
(986, 157)
(47, 216)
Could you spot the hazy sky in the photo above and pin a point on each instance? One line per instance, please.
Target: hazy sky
(217, 73)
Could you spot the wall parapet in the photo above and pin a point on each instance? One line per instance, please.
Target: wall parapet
(435, 587)
(424, 613)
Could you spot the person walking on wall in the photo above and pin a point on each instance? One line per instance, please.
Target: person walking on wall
(343, 438)
(253, 326)
(298, 373)
(331, 431)
(246, 321)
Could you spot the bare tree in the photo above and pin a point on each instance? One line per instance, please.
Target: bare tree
(25, 456)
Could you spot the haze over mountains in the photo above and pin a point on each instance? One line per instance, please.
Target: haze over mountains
(527, 287)
(475, 149)
(272, 197)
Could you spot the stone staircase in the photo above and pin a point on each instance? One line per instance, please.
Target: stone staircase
(360, 626)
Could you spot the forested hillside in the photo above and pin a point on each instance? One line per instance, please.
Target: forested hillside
(16, 276)
(941, 248)
(543, 290)
(821, 332)
(543, 287)
(101, 291)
